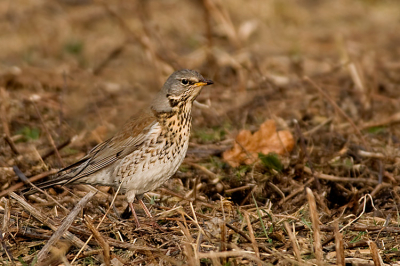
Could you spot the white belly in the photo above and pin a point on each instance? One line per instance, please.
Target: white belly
(147, 176)
(141, 172)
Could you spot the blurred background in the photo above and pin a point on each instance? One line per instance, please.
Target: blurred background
(99, 62)
(75, 70)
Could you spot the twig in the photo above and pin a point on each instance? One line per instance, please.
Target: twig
(251, 233)
(102, 219)
(59, 147)
(49, 137)
(113, 54)
(345, 179)
(239, 188)
(64, 226)
(248, 196)
(190, 256)
(6, 217)
(359, 81)
(371, 229)
(315, 225)
(277, 189)
(100, 240)
(3, 111)
(61, 101)
(338, 109)
(318, 127)
(30, 232)
(4, 246)
(31, 179)
(221, 15)
(26, 181)
(240, 232)
(339, 246)
(368, 154)
(169, 192)
(227, 254)
(143, 40)
(11, 144)
(305, 151)
(46, 220)
(222, 228)
(357, 261)
(292, 238)
(207, 19)
(296, 191)
(186, 232)
(375, 254)
(88, 253)
(393, 119)
(215, 177)
(365, 204)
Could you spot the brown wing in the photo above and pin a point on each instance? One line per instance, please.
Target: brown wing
(126, 141)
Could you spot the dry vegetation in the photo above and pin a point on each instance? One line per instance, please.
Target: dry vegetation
(71, 72)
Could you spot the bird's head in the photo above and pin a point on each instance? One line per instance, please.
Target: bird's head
(182, 87)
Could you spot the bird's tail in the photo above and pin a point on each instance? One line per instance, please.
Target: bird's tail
(62, 177)
(60, 180)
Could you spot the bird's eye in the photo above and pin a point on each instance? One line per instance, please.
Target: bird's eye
(185, 81)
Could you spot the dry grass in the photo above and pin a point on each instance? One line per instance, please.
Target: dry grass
(72, 71)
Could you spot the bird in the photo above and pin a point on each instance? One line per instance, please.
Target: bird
(148, 149)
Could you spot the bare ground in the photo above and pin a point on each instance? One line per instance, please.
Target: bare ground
(72, 71)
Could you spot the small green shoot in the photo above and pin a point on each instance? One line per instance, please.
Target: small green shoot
(217, 162)
(70, 151)
(205, 260)
(376, 130)
(241, 171)
(153, 200)
(210, 134)
(271, 161)
(88, 261)
(358, 237)
(348, 163)
(306, 223)
(184, 168)
(29, 133)
(74, 47)
(22, 262)
(240, 215)
(260, 217)
(34, 261)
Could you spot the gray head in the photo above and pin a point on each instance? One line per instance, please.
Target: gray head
(183, 86)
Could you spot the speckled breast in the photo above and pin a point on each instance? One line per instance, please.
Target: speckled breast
(159, 158)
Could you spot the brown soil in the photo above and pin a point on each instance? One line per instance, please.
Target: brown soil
(72, 71)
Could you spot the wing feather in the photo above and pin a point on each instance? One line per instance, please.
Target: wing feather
(126, 141)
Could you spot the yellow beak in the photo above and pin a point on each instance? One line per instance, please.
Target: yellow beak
(204, 83)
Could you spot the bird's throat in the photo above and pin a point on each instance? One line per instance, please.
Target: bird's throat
(177, 124)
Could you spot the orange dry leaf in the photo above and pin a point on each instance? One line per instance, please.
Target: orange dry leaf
(265, 140)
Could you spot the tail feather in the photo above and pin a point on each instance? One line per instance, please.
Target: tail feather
(60, 180)
(64, 176)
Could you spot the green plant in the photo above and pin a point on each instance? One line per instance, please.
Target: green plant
(271, 161)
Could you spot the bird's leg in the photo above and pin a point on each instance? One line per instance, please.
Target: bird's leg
(153, 222)
(134, 214)
(145, 209)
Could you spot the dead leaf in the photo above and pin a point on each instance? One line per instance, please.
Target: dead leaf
(265, 140)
